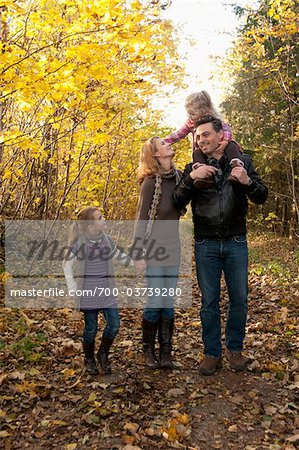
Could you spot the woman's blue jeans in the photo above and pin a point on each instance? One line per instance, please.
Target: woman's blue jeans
(111, 317)
(231, 258)
(161, 282)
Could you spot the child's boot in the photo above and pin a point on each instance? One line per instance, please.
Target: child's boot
(89, 360)
(102, 354)
(235, 162)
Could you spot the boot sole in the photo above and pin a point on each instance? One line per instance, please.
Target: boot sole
(106, 372)
(152, 366)
(166, 366)
(238, 368)
(96, 372)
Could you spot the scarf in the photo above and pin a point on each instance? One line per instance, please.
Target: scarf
(153, 211)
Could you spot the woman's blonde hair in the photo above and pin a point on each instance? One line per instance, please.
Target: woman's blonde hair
(200, 103)
(148, 163)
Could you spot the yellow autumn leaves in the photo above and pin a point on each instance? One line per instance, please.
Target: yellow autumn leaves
(76, 80)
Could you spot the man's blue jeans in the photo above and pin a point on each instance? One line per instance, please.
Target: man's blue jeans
(213, 258)
(111, 317)
(160, 304)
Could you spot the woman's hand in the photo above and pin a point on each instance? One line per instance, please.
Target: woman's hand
(140, 265)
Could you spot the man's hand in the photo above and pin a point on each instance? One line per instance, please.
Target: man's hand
(140, 265)
(203, 171)
(241, 174)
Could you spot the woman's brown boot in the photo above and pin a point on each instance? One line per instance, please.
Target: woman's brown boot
(149, 331)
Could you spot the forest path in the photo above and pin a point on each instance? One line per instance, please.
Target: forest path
(48, 401)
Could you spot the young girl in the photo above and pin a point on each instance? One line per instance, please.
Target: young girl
(197, 106)
(93, 252)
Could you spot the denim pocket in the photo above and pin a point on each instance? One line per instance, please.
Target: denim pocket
(240, 239)
(200, 241)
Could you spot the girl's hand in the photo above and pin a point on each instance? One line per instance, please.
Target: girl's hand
(190, 123)
(140, 265)
(221, 147)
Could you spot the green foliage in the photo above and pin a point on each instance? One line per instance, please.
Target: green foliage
(20, 326)
(273, 257)
(29, 346)
(275, 268)
(262, 102)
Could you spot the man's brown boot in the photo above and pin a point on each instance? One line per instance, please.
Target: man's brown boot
(209, 365)
(236, 360)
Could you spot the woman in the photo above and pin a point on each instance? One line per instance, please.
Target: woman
(157, 233)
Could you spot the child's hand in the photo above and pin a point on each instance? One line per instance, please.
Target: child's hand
(140, 265)
(221, 147)
(190, 123)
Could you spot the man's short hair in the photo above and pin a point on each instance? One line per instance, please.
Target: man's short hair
(216, 123)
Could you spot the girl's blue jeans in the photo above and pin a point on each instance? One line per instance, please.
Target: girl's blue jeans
(161, 282)
(231, 258)
(111, 317)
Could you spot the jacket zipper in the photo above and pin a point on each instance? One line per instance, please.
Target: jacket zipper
(221, 207)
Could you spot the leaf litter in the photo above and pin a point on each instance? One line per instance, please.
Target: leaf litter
(47, 399)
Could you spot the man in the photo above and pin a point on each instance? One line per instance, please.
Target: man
(219, 216)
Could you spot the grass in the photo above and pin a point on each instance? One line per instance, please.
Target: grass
(28, 347)
(273, 255)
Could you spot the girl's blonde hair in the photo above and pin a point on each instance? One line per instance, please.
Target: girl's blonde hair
(84, 218)
(148, 163)
(200, 103)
